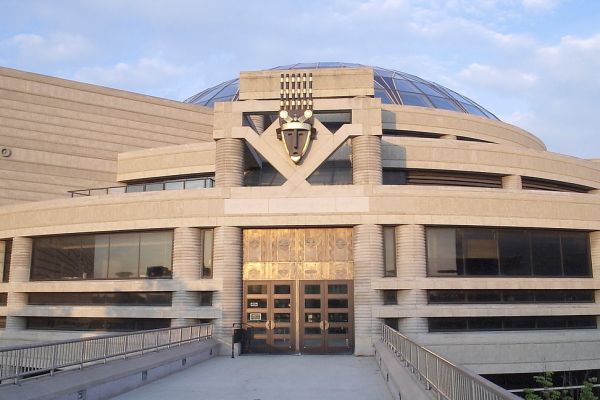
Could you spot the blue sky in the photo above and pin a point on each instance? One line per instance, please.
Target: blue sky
(534, 63)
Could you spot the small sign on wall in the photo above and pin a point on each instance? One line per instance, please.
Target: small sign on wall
(255, 316)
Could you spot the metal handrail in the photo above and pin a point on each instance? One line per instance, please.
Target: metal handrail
(448, 380)
(19, 362)
(208, 182)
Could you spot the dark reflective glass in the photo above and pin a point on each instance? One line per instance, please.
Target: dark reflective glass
(519, 323)
(96, 324)
(545, 250)
(391, 322)
(515, 258)
(312, 289)
(484, 296)
(312, 303)
(480, 250)
(394, 176)
(205, 298)
(337, 330)
(388, 84)
(447, 324)
(281, 303)
(341, 288)
(523, 252)
(266, 175)
(446, 296)
(282, 289)
(281, 317)
(575, 252)
(444, 104)
(390, 297)
(389, 250)
(414, 99)
(101, 298)
(337, 303)
(3, 299)
(403, 85)
(549, 296)
(102, 256)
(485, 324)
(7, 256)
(257, 289)
(281, 331)
(519, 296)
(338, 317)
(312, 331)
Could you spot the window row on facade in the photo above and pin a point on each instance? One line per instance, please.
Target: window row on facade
(128, 255)
(507, 252)
(111, 298)
(462, 324)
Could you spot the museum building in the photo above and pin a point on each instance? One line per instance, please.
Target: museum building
(309, 203)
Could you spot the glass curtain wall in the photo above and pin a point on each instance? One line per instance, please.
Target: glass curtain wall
(507, 252)
(130, 255)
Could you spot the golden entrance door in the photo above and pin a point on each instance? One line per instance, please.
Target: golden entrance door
(326, 317)
(301, 260)
(269, 316)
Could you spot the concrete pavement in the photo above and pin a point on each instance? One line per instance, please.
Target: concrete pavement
(260, 377)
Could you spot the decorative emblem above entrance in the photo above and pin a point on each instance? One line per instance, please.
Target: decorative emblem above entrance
(296, 114)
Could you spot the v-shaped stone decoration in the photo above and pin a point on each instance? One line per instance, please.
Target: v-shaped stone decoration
(269, 147)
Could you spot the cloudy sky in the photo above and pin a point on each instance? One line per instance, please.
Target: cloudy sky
(534, 63)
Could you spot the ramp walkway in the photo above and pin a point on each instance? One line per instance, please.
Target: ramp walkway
(263, 377)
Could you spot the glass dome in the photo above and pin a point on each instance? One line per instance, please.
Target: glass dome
(392, 87)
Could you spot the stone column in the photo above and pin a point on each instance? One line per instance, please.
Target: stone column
(411, 263)
(228, 267)
(258, 120)
(512, 182)
(187, 266)
(229, 163)
(368, 264)
(366, 160)
(20, 267)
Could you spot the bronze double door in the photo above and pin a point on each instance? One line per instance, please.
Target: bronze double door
(299, 316)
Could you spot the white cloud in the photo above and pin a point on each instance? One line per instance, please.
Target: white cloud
(151, 75)
(498, 78)
(52, 49)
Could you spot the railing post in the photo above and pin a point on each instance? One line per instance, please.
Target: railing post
(18, 366)
(82, 354)
(105, 350)
(169, 344)
(143, 341)
(53, 362)
(125, 346)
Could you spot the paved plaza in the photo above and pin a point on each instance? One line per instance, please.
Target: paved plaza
(271, 377)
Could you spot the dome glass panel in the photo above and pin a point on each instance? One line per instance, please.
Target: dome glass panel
(392, 87)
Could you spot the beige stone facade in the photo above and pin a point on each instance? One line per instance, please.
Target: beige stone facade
(65, 136)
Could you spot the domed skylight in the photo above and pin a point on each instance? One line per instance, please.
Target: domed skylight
(392, 87)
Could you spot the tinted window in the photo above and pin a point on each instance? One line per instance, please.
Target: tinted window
(515, 258)
(480, 249)
(389, 247)
(545, 251)
(575, 253)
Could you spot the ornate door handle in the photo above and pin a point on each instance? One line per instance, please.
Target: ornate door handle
(268, 325)
(326, 324)
(322, 325)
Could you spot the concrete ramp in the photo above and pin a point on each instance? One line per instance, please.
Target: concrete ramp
(103, 381)
(259, 377)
